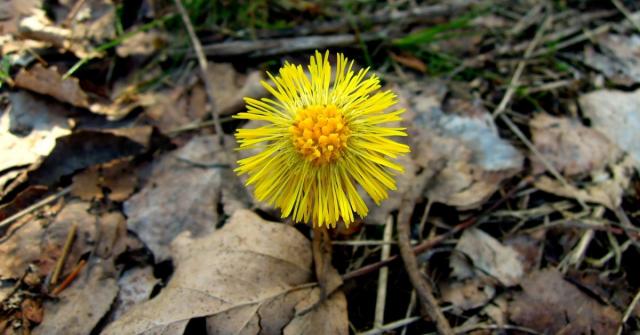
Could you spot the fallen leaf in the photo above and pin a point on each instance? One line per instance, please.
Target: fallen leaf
(12, 11)
(136, 286)
(48, 81)
(28, 131)
(468, 294)
(182, 193)
(616, 114)
(461, 148)
(23, 200)
(81, 306)
(32, 310)
(242, 273)
(618, 60)
(143, 43)
(86, 148)
(605, 188)
(549, 304)
(115, 180)
(410, 61)
(570, 147)
(487, 257)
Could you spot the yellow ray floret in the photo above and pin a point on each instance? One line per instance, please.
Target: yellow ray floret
(323, 139)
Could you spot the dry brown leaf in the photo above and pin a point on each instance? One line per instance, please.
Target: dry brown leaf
(182, 194)
(617, 115)
(606, 187)
(410, 61)
(468, 294)
(570, 147)
(550, 304)
(143, 43)
(460, 148)
(115, 180)
(488, 257)
(48, 81)
(12, 11)
(82, 305)
(245, 274)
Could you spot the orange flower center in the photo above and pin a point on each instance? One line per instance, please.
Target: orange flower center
(320, 133)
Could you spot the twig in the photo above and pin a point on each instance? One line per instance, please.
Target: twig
(383, 276)
(430, 243)
(277, 46)
(4, 225)
(65, 252)
(67, 281)
(422, 287)
(626, 13)
(515, 79)
(628, 311)
(391, 326)
(202, 62)
(73, 12)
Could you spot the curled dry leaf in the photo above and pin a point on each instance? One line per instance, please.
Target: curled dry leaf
(570, 147)
(488, 257)
(617, 115)
(246, 277)
(550, 304)
(462, 148)
(48, 81)
(182, 193)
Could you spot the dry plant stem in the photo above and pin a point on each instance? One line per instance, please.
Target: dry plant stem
(628, 311)
(383, 276)
(67, 281)
(321, 247)
(515, 79)
(73, 12)
(202, 62)
(391, 326)
(65, 252)
(4, 225)
(626, 13)
(430, 243)
(423, 288)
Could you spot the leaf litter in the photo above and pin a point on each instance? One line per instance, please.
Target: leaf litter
(527, 221)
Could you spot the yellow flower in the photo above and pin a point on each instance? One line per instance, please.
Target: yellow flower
(324, 135)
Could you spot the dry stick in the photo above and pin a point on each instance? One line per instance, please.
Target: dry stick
(73, 12)
(515, 79)
(4, 225)
(626, 13)
(391, 326)
(628, 311)
(67, 281)
(202, 62)
(65, 252)
(423, 288)
(430, 243)
(383, 276)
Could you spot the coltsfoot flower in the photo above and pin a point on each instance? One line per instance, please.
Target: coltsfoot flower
(324, 135)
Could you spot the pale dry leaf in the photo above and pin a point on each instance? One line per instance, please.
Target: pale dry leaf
(182, 193)
(12, 11)
(570, 147)
(550, 304)
(617, 115)
(143, 43)
(467, 294)
(83, 304)
(488, 257)
(48, 81)
(618, 60)
(606, 187)
(461, 148)
(28, 130)
(243, 272)
(136, 286)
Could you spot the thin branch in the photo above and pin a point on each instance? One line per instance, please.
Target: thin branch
(202, 62)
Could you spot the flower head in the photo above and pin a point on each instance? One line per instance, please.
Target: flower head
(324, 135)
